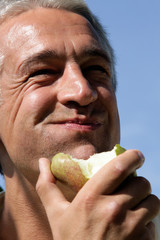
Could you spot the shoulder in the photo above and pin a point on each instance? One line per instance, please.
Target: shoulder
(157, 224)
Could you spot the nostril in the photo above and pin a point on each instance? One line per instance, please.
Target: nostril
(74, 95)
(72, 104)
(75, 87)
(82, 110)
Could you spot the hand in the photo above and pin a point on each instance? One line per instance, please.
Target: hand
(109, 206)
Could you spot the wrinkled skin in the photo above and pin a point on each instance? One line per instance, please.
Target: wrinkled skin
(57, 96)
(75, 86)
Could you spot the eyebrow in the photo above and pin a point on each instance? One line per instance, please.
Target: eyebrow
(42, 56)
(46, 55)
(96, 52)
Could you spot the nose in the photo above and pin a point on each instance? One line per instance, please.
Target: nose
(75, 88)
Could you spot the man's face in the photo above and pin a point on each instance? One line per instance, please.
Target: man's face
(56, 89)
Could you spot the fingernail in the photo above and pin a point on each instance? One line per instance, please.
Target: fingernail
(140, 154)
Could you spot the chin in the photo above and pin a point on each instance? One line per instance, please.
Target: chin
(82, 151)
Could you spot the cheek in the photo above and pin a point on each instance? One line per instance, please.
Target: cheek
(108, 98)
(37, 104)
(34, 106)
(109, 101)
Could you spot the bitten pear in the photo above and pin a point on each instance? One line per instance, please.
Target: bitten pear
(76, 172)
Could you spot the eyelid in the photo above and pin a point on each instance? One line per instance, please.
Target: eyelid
(42, 72)
(96, 67)
(99, 68)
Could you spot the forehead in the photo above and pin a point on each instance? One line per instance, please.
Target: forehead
(36, 29)
(46, 20)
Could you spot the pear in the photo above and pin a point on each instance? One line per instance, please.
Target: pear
(76, 172)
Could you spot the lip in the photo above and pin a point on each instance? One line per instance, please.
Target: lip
(80, 125)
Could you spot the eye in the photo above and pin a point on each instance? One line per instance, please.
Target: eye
(96, 70)
(43, 72)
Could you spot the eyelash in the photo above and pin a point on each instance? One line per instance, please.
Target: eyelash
(86, 71)
(96, 68)
(42, 72)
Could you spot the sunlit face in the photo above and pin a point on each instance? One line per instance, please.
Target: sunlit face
(56, 89)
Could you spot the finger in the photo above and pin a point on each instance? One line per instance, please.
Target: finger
(151, 230)
(132, 192)
(52, 198)
(147, 232)
(147, 210)
(45, 173)
(108, 178)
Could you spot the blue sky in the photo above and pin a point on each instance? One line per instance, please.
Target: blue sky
(134, 32)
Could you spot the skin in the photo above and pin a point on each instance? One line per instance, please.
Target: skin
(57, 96)
(50, 104)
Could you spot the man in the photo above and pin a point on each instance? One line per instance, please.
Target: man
(58, 94)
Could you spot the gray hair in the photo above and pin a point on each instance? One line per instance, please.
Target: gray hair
(11, 8)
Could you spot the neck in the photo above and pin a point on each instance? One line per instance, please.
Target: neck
(23, 216)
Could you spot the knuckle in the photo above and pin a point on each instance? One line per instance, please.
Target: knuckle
(120, 169)
(147, 234)
(114, 211)
(137, 230)
(88, 202)
(155, 202)
(145, 184)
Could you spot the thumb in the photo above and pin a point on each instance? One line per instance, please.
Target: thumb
(51, 197)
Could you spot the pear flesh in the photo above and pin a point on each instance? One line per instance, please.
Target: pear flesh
(76, 172)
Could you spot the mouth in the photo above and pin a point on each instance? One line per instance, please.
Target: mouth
(80, 125)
